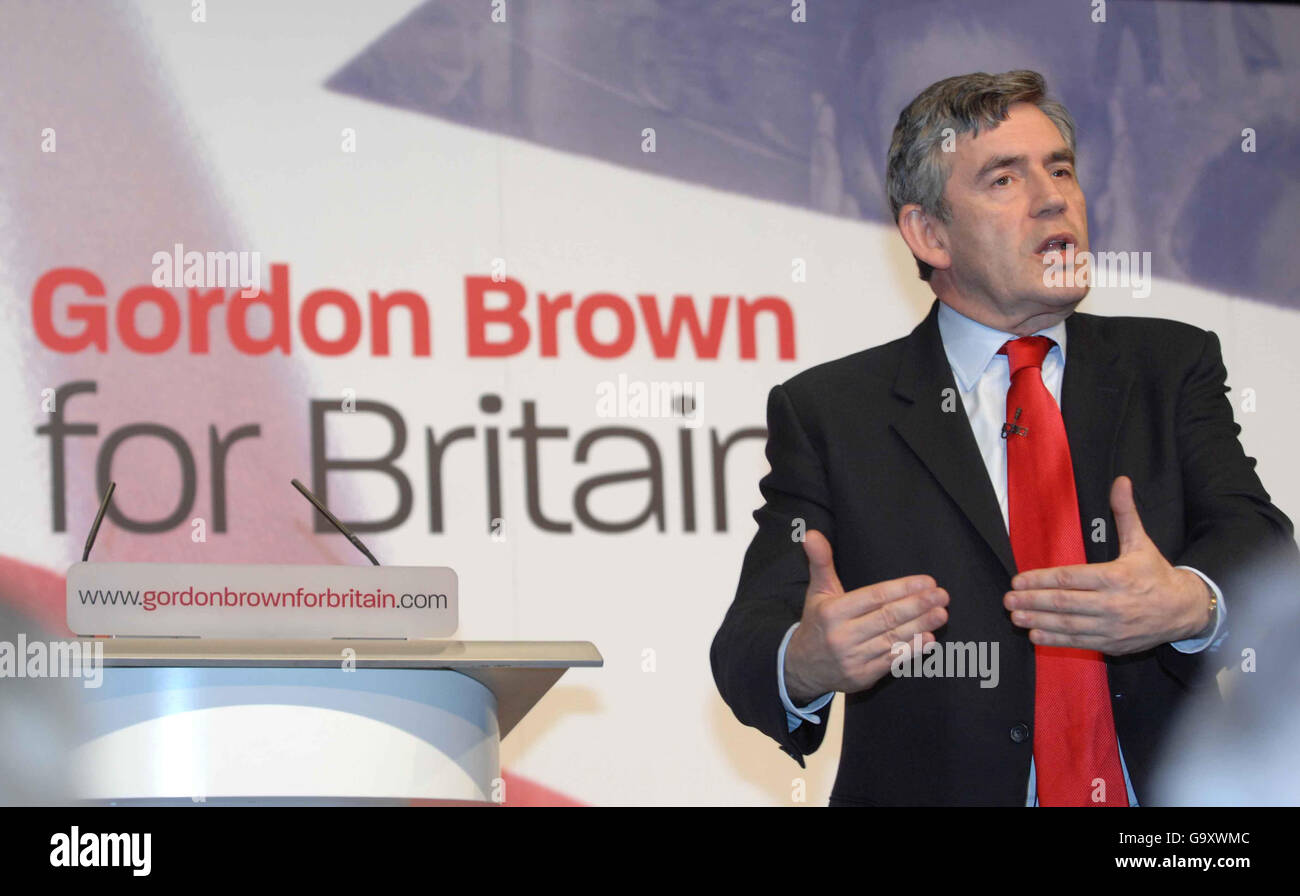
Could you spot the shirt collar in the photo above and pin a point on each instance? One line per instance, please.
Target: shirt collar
(970, 345)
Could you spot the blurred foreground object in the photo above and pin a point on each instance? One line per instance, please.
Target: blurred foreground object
(38, 721)
(1241, 751)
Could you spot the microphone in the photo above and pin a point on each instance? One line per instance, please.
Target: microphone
(99, 518)
(1011, 429)
(334, 521)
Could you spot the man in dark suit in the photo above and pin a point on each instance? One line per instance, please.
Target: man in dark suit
(1010, 538)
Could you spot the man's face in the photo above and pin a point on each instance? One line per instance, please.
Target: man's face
(1011, 190)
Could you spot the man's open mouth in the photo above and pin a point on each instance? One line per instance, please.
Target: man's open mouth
(1055, 243)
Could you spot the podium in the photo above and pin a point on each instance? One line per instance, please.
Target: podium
(320, 721)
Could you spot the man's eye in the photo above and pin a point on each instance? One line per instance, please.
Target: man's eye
(1002, 181)
(1066, 171)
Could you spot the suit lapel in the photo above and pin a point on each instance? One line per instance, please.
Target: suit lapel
(942, 439)
(1094, 391)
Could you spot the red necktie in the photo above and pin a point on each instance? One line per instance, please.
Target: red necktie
(1074, 731)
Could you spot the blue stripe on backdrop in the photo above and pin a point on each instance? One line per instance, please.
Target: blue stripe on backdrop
(744, 99)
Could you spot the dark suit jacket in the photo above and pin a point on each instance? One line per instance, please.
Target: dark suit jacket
(862, 449)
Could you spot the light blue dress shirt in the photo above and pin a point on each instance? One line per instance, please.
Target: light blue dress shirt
(983, 378)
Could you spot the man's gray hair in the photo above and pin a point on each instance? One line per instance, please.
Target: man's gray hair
(965, 103)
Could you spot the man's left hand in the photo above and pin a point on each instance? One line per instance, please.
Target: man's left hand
(1125, 606)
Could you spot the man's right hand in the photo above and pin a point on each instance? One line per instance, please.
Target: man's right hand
(844, 640)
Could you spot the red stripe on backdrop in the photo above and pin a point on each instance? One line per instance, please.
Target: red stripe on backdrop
(41, 595)
(525, 792)
(520, 792)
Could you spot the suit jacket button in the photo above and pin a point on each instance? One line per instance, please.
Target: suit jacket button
(1020, 733)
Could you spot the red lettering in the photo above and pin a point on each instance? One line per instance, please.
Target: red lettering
(379, 308)
(200, 305)
(277, 302)
(548, 312)
(95, 317)
(478, 316)
(132, 299)
(683, 311)
(749, 311)
(311, 336)
(587, 335)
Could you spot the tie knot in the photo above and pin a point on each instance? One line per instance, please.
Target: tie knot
(1027, 351)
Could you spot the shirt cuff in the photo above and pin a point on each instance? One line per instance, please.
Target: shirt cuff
(1214, 639)
(794, 715)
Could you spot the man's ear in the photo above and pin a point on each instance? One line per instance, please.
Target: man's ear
(925, 236)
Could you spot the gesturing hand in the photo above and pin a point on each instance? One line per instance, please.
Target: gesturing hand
(1125, 606)
(844, 640)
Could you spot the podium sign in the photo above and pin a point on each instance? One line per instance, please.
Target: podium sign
(227, 600)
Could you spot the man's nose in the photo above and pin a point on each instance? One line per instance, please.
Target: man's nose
(1049, 198)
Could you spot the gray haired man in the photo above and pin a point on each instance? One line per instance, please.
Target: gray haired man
(937, 525)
